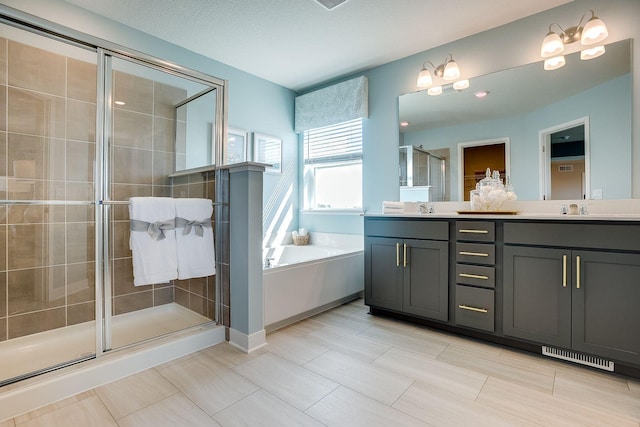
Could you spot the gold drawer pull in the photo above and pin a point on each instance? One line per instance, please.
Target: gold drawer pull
(578, 272)
(564, 271)
(473, 253)
(476, 309)
(474, 231)
(473, 276)
(397, 254)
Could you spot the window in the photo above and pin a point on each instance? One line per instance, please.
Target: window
(333, 166)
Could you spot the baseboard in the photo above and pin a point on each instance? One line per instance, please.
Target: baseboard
(309, 313)
(247, 343)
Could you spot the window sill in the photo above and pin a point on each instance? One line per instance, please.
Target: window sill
(332, 212)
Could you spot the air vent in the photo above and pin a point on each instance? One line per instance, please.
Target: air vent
(330, 4)
(583, 359)
(565, 168)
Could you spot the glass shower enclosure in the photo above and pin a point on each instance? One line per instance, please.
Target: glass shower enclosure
(83, 127)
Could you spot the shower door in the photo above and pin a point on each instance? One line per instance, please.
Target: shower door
(156, 121)
(83, 128)
(47, 209)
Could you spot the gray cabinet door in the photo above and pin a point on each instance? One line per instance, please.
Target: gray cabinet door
(537, 295)
(426, 279)
(606, 305)
(383, 273)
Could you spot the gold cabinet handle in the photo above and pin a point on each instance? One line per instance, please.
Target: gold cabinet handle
(473, 231)
(397, 254)
(473, 253)
(476, 309)
(473, 276)
(578, 272)
(564, 271)
(405, 255)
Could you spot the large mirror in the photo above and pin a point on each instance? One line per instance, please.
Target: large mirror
(530, 108)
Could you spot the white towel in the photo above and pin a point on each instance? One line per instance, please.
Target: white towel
(196, 255)
(154, 259)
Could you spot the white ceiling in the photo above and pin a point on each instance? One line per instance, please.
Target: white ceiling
(299, 43)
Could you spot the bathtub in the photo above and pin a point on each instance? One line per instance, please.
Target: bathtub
(302, 281)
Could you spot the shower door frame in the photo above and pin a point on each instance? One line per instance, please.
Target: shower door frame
(104, 50)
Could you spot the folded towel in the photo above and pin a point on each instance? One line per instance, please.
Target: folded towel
(387, 204)
(194, 237)
(152, 240)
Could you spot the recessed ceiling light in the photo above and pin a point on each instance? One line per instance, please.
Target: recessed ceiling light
(481, 93)
(404, 124)
(120, 103)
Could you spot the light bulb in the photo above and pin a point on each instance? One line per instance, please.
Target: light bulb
(554, 63)
(551, 45)
(451, 71)
(594, 31)
(461, 84)
(424, 78)
(434, 91)
(592, 52)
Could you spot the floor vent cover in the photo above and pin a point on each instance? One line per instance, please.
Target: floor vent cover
(583, 359)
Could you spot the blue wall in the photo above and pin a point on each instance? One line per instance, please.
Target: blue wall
(258, 105)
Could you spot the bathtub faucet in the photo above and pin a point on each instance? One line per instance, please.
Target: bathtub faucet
(267, 262)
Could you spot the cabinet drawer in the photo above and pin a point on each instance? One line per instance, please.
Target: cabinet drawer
(476, 231)
(476, 253)
(407, 229)
(475, 307)
(476, 275)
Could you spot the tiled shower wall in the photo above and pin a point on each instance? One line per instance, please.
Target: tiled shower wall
(47, 151)
(47, 145)
(141, 159)
(198, 294)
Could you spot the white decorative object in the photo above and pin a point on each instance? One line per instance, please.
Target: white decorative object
(491, 193)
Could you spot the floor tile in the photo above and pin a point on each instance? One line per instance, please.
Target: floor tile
(543, 408)
(227, 355)
(126, 396)
(439, 407)
(634, 386)
(211, 386)
(264, 409)
(342, 320)
(54, 406)
(173, 411)
(284, 379)
(345, 407)
(297, 349)
(411, 339)
(605, 397)
(513, 370)
(377, 383)
(8, 423)
(461, 381)
(86, 412)
(349, 343)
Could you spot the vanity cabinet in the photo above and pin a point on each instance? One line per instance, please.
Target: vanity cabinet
(406, 266)
(575, 286)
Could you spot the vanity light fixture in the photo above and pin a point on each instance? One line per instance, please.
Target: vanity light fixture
(593, 32)
(448, 71)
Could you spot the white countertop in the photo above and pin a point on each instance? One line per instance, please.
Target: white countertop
(598, 210)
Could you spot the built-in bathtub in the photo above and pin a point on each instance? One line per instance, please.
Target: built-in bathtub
(302, 281)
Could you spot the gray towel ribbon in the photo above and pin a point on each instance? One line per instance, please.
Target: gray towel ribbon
(154, 229)
(198, 226)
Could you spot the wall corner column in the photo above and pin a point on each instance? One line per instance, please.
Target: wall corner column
(246, 329)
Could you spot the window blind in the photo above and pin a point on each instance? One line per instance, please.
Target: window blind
(340, 142)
